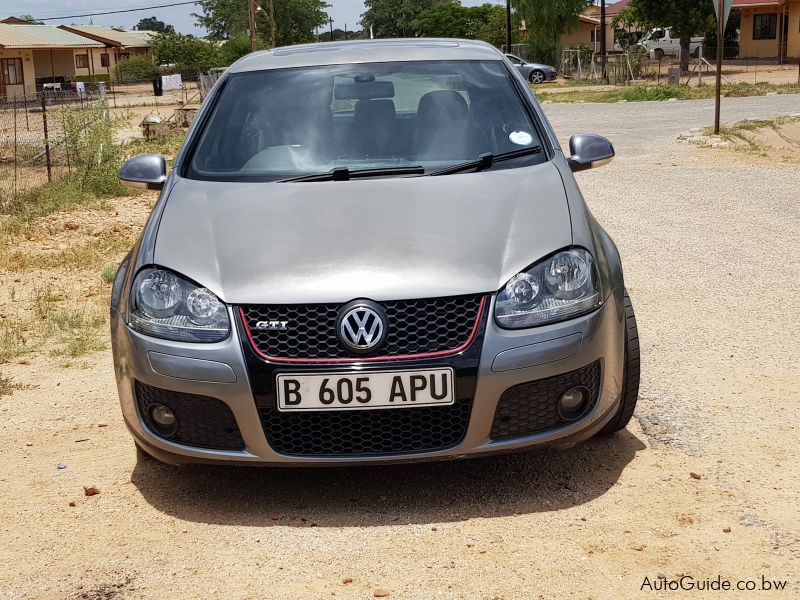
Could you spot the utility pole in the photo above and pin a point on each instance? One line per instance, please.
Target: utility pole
(508, 27)
(603, 42)
(272, 23)
(720, 33)
(330, 22)
(251, 9)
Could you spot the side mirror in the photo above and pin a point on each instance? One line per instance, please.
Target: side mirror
(588, 152)
(144, 172)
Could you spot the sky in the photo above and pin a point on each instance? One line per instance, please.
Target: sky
(342, 11)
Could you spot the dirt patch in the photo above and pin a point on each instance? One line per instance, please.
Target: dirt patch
(766, 140)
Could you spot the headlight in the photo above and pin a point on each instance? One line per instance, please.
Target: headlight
(562, 286)
(166, 305)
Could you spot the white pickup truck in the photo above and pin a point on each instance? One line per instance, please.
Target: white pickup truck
(660, 43)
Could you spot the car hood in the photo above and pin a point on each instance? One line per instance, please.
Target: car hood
(398, 238)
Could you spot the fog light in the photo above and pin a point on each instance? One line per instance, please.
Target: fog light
(162, 416)
(573, 403)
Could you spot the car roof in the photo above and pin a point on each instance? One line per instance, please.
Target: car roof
(366, 51)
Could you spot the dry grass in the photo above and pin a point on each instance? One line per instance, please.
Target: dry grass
(92, 255)
(645, 93)
(78, 331)
(748, 137)
(14, 338)
(7, 385)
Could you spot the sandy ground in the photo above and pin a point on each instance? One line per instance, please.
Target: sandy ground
(709, 242)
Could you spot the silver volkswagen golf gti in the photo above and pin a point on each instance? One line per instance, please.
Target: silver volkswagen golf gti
(371, 251)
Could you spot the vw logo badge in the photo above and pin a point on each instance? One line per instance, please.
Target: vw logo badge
(362, 326)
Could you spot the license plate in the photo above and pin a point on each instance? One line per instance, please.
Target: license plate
(364, 391)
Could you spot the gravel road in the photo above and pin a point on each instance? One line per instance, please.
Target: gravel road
(710, 244)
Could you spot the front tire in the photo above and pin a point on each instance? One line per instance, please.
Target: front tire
(658, 53)
(630, 375)
(536, 77)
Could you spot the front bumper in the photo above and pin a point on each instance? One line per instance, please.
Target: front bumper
(498, 360)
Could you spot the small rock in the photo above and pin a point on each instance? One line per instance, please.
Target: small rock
(73, 504)
(275, 517)
(726, 530)
(639, 548)
(102, 424)
(347, 580)
(70, 226)
(380, 593)
(91, 490)
(29, 444)
(694, 475)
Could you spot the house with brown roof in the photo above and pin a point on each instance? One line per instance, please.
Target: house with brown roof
(587, 33)
(117, 45)
(32, 55)
(769, 29)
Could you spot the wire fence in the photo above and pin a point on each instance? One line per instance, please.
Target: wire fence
(638, 65)
(41, 127)
(35, 139)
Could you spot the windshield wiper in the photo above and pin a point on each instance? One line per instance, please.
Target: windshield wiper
(345, 174)
(486, 160)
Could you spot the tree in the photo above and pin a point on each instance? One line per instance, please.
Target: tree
(154, 24)
(489, 24)
(189, 54)
(627, 27)
(445, 19)
(295, 20)
(546, 20)
(395, 18)
(686, 18)
(450, 19)
(340, 34)
(27, 18)
(730, 38)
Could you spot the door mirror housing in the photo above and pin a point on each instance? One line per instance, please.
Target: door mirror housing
(589, 152)
(144, 172)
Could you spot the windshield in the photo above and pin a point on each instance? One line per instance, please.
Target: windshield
(284, 123)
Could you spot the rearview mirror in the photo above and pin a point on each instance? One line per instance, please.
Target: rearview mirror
(364, 90)
(589, 151)
(144, 172)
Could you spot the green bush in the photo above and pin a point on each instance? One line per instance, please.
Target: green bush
(93, 78)
(189, 55)
(135, 68)
(237, 47)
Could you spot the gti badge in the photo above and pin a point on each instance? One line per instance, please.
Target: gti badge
(272, 325)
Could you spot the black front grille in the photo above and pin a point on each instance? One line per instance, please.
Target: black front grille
(533, 406)
(413, 327)
(200, 421)
(365, 432)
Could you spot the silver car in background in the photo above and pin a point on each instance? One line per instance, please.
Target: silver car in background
(534, 72)
(371, 251)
